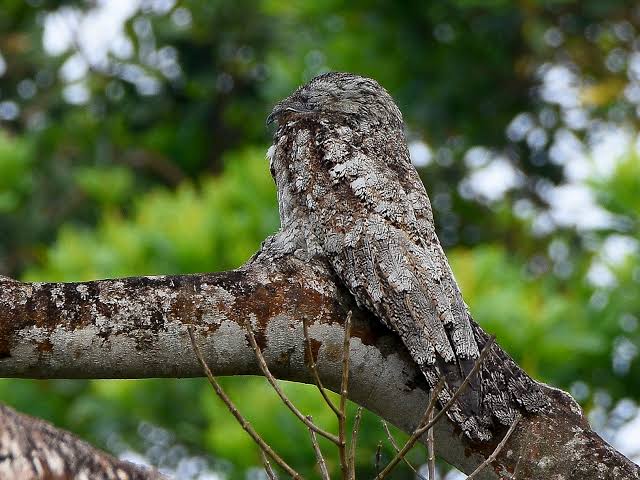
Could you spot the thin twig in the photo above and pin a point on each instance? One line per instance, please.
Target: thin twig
(244, 423)
(431, 455)
(495, 453)
(320, 458)
(517, 469)
(524, 450)
(274, 383)
(268, 469)
(393, 443)
(354, 443)
(344, 386)
(314, 368)
(418, 432)
(524, 453)
(400, 454)
(378, 457)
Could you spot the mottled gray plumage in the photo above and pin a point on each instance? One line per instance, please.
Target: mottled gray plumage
(349, 194)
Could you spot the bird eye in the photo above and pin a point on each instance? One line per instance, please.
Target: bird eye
(308, 104)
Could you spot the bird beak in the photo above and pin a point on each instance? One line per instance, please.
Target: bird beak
(274, 113)
(286, 105)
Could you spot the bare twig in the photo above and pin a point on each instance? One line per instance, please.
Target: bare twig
(244, 423)
(268, 469)
(393, 443)
(523, 451)
(499, 447)
(431, 455)
(517, 469)
(314, 368)
(416, 433)
(424, 426)
(274, 383)
(344, 390)
(320, 458)
(354, 443)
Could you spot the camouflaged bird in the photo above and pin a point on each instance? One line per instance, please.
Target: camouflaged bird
(348, 193)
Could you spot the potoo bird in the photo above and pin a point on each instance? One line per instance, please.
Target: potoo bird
(347, 192)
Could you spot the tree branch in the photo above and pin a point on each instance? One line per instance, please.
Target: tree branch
(31, 448)
(137, 327)
(244, 423)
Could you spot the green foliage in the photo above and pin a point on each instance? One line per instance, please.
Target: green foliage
(226, 218)
(16, 180)
(105, 186)
(160, 169)
(619, 194)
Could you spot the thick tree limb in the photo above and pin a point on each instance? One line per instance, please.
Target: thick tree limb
(31, 448)
(136, 327)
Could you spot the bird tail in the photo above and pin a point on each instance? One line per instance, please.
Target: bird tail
(461, 397)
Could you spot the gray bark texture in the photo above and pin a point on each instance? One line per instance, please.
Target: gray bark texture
(33, 449)
(137, 327)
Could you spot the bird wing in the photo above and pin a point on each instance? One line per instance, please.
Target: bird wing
(371, 218)
(406, 286)
(391, 260)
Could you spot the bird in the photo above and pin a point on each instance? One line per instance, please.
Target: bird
(349, 195)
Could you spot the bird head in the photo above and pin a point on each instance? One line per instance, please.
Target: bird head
(339, 95)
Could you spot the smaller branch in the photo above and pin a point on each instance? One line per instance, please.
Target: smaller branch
(524, 450)
(378, 457)
(517, 469)
(274, 383)
(354, 443)
(431, 455)
(393, 443)
(268, 469)
(497, 450)
(320, 458)
(416, 433)
(344, 390)
(244, 423)
(314, 368)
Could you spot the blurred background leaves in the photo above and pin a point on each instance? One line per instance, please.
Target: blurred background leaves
(132, 142)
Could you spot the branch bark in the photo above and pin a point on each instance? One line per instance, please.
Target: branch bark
(31, 448)
(137, 327)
